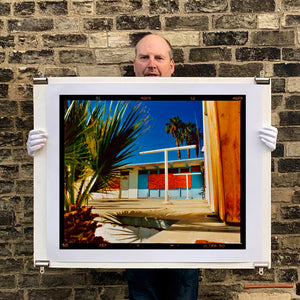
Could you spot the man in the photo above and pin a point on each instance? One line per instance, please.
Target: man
(154, 58)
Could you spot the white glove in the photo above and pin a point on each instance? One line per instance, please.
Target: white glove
(37, 139)
(268, 135)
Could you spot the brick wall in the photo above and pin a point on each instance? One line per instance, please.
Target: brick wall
(96, 38)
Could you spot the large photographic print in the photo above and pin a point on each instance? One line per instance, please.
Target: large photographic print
(152, 171)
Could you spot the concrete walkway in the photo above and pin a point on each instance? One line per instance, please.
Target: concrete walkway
(196, 222)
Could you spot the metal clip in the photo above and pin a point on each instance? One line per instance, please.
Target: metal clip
(42, 264)
(261, 266)
(261, 79)
(40, 80)
(261, 271)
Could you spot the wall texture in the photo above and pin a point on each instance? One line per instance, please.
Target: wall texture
(96, 38)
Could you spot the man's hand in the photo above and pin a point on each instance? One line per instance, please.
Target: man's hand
(268, 135)
(37, 139)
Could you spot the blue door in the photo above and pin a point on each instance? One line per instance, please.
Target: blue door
(143, 186)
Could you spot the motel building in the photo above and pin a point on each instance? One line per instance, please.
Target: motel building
(185, 180)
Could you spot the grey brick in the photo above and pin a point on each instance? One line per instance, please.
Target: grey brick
(87, 294)
(116, 6)
(24, 123)
(7, 41)
(29, 41)
(278, 85)
(5, 155)
(279, 151)
(292, 20)
(6, 75)
(210, 54)
(289, 118)
(251, 6)
(225, 38)
(138, 22)
(290, 133)
(3, 91)
(26, 107)
(4, 9)
(30, 24)
(27, 280)
(60, 72)
(53, 294)
(276, 101)
(164, 6)
(22, 248)
(273, 38)
(64, 40)
(293, 102)
(241, 70)
(7, 218)
(9, 139)
(286, 227)
(290, 211)
(285, 259)
(56, 8)
(274, 243)
(296, 197)
(195, 70)
(24, 187)
(11, 265)
(107, 278)
(26, 171)
(25, 91)
(32, 57)
(8, 234)
(28, 73)
(76, 56)
(6, 123)
(287, 70)
(98, 24)
(215, 275)
(235, 21)
(114, 292)
(135, 37)
(6, 187)
(61, 280)
(12, 295)
(24, 9)
(291, 5)
(288, 165)
(239, 275)
(291, 54)
(205, 6)
(2, 57)
(185, 23)
(257, 54)
(5, 251)
(9, 172)
(178, 55)
(219, 291)
(287, 275)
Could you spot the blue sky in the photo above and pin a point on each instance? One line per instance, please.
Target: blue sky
(156, 137)
(159, 112)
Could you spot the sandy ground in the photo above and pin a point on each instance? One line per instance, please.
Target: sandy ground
(195, 220)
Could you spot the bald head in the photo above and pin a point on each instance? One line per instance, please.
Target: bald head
(153, 57)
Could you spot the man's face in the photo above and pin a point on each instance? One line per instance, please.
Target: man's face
(153, 58)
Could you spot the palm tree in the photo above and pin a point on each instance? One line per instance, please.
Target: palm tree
(97, 141)
(174, 127)
(197, 136)
(187, 130)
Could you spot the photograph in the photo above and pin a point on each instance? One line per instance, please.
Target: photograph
(152, 172)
